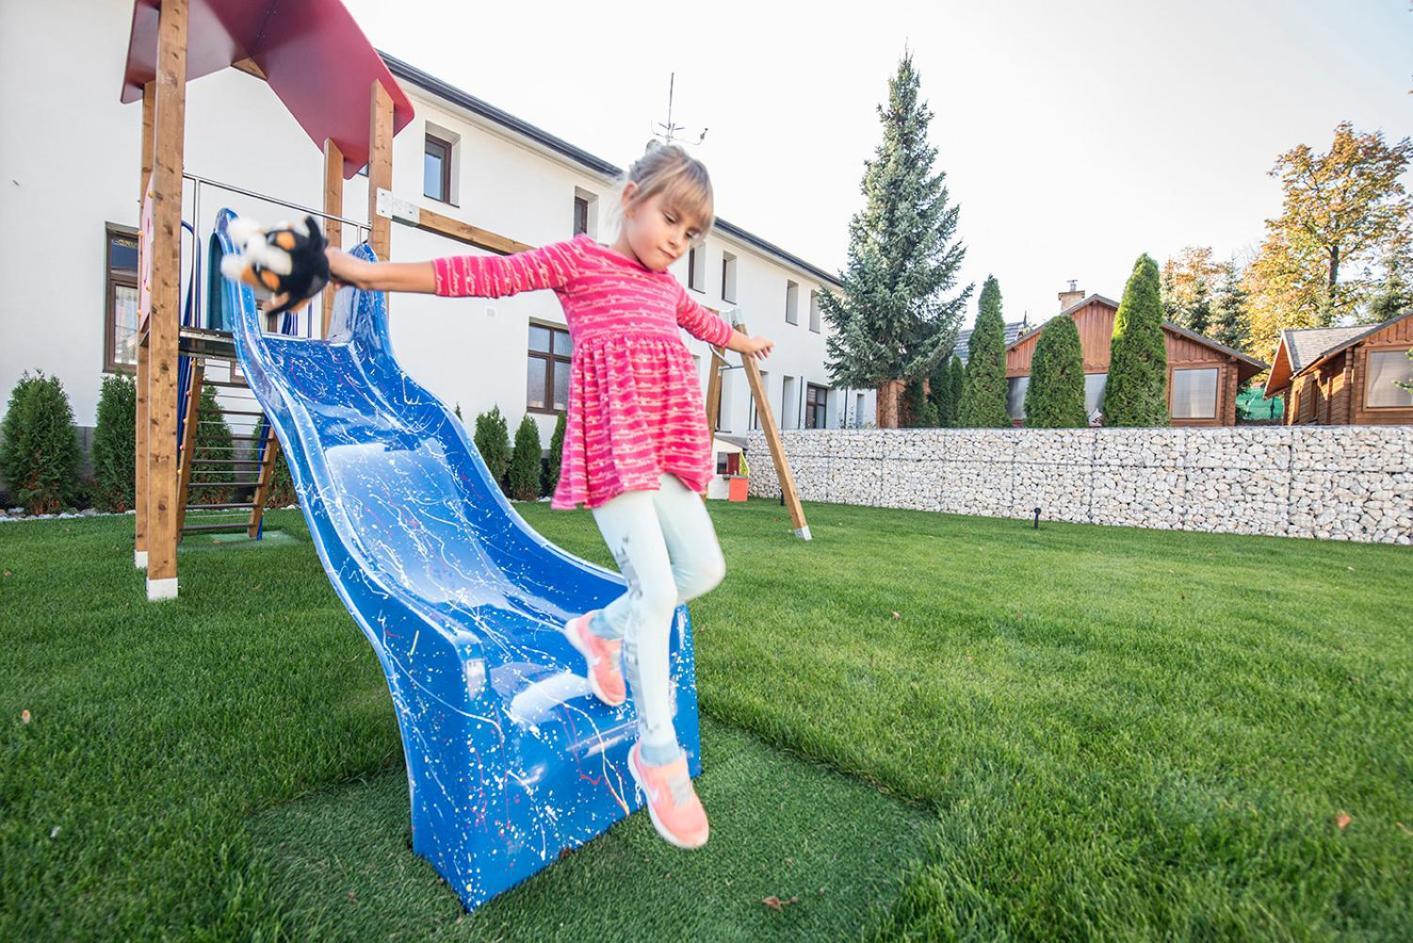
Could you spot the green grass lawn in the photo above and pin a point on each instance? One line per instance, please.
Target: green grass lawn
(921, 726)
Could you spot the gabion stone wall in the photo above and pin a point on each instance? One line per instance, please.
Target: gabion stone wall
(1331, 482)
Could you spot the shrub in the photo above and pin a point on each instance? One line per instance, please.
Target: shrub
(40, 453)
(525, 461)
(493, 442)
(114, 447)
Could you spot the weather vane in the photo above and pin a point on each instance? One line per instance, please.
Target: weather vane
(664, 133)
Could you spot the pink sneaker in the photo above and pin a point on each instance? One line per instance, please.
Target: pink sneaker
(601, 655)
(673, 805)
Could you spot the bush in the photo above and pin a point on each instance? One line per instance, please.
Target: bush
(1137, 394)
(114, 447)
(555, 450)
(493, 442)
(525, 461)
(40, 453)
(1055, 397)
(984, 393)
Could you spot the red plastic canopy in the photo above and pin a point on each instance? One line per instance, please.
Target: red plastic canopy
(314, 56)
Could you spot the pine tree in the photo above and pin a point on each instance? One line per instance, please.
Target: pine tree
(895, 318)
(1229, 319)
(524, 476)
(956, 383)
(39, 451)
(114, 459)
(984, 393)
(493, 442)
(1138, 358)
(1199, 316)
(555, 450)
(1055, 397)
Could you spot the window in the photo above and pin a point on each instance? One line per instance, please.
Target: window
(120, 299)
(547, 369)
(1094, 386)
(1015, 396)
(787, 403)
(814, 311)
(1195, 393)
(728, 277)
(815, 399)
(586, 207)
(792, 303)
(696, 269)
(858, 410)
(436, 169)
(581, 215)
(1387, 369)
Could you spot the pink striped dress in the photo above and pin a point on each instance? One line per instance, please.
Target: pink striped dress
(635, 402)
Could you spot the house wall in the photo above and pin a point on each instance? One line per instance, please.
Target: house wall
(1336, 392)
(1334, 482)
(1397, 336)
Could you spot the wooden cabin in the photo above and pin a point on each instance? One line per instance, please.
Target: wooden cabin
(1345, 375)
(1203, 375)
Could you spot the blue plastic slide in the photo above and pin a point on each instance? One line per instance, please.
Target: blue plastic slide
(510, 758)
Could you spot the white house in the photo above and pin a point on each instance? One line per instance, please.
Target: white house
(69, 160)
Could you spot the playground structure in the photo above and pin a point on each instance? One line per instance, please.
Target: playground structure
(510, 759)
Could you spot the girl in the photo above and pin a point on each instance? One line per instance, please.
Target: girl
(636, 448)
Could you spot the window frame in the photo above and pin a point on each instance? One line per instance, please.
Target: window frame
(581, 202)
(792, 302)
(1216, 393)
(820, 404)
(551, 362)
(816, 317)
(112, 280)
(1369, 375)
(429, 140)
(728, 277)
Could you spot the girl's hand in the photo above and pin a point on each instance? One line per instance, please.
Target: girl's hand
(758, 347)
(344, 269)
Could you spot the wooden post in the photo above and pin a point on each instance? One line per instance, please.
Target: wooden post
(380, 125)
(139, 543)
(169, 117)
(333, 205)
(262, 486)
(772, 438)
(713, 396)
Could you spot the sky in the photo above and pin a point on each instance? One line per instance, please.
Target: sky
(1074, 136)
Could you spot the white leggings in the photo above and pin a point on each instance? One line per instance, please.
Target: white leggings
(666, 549)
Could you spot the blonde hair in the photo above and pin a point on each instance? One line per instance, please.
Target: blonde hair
(681, 179)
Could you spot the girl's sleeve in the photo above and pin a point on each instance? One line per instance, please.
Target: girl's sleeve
(495, 276)
(699, 322)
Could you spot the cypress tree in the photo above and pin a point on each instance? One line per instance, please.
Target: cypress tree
(1055, 397)
(114, 458)
(956, 383)
(493, 442)
(984, 393)
(39, 449)
(1138, 358)
(895, 317)
(525, 461)
(555, 450)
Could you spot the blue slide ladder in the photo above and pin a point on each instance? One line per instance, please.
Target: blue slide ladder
(510, 757)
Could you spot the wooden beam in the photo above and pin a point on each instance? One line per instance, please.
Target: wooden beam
(431, 221)
(262, 487)
(772, 438)
(333, 205)
(139, 542)
(380, 133)
(187, 452)
(169, 121)
(713, 396)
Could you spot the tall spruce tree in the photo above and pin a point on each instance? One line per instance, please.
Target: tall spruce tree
(984, 392)
(1229, 317)
(1055, 397)
(1138, 357)
(897, 315)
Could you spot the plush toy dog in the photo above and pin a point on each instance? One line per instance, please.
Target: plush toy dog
(286, 262)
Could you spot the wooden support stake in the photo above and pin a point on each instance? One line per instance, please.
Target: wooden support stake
(169, 121)
(262, 487)
(333, 205)
(139, 543)
(188, 447)
(772, 438)
(713, 396)
(431, 221)
(380, 125)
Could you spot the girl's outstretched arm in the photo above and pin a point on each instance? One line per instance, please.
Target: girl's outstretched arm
(381, 276)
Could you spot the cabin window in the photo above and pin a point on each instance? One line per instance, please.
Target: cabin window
(1195, 393)
(1388, 369)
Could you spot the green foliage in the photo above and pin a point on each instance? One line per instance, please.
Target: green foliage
(895, 318)
(918, 411)
(525, 461)
(956, 384)
(39, 453)
(114, 445)
(492, 440)
(213, 440)
(1055, 397)
(556, 447)
(984, 392)
(1137, 393)
(1230, 320)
